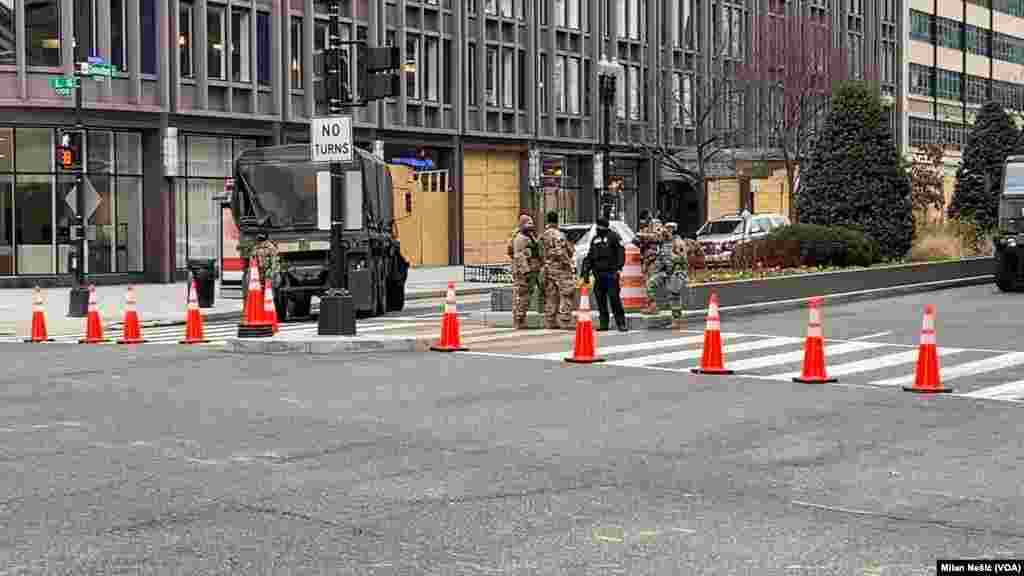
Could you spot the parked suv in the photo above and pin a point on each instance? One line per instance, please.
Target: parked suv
(581, 235)
(719, 237)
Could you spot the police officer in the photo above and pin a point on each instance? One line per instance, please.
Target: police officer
(605, 260)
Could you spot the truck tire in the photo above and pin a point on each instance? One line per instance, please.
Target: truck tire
(1006, 273)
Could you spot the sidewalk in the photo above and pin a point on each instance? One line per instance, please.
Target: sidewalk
(166, 303)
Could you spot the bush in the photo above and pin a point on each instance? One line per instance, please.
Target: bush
(855, 178)
(808, 245)
(951, 239)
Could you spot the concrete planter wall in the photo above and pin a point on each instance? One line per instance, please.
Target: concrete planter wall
(846, 283)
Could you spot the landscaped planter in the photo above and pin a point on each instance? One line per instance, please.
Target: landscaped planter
(851, 284)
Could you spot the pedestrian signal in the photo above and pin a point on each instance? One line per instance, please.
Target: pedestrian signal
(65, 157)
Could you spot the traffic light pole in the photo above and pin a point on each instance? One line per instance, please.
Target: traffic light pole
(78, 300)
(337, 314)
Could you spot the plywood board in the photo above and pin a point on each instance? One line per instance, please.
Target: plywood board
(490, 205)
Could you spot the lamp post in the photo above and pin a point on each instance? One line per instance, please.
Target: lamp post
(607, 76)
(78, 298)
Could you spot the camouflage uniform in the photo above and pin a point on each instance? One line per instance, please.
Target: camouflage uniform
(670, 270)
(526, 272)
(647, 240)
(268, 260)
(559, 278)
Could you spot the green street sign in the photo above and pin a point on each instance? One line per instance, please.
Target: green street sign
(64, 85)
(98, 70)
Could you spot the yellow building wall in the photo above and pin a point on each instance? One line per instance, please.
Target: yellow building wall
(422, 233)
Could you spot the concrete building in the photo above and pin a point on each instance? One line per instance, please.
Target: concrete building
(493, 84)
(959, 55)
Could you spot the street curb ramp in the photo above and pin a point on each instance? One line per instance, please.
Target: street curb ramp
(327, 345)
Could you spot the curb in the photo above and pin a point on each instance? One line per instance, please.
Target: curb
(324, 345)
(663, 321)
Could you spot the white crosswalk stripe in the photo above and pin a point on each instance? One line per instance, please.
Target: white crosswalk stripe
(636, 347)
(1012, 391)
(959, 371)
(679, 356)
(798, 356)
(876, 363)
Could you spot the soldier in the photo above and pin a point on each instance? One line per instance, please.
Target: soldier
(559, 276)
(526, 269)
(670, 270)
(647, 239)
(267, 258)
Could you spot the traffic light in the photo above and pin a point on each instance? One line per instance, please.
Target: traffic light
(66, 157)
(382, 73)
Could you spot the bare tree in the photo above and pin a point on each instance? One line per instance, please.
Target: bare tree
(926, 178)
(708, 108)
(793, 67)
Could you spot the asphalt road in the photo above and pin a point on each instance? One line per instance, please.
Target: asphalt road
(181, 460)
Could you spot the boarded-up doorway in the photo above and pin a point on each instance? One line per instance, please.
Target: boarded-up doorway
(491, 204)
(421, 215)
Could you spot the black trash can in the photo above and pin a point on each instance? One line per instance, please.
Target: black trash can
(204, 272)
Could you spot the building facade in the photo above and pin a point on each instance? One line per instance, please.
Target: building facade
(491, 84)
(960, 55)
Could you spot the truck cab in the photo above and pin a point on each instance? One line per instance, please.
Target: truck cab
(1009, 239)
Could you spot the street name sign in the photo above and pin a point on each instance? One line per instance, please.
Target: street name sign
(331, 139)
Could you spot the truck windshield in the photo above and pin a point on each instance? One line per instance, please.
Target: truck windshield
(284, 192)
(1011, 205)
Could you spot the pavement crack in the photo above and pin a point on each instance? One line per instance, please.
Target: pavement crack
(948, 524)
(323, 452)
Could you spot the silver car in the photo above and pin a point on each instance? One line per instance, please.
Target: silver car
(582, 234)
(720, 237)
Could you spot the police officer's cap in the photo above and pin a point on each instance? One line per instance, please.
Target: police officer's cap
(602, 223)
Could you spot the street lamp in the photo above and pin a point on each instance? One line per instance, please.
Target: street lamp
(607, 75)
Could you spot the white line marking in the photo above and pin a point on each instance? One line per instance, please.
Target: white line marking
(871, 336)
(684, 530)
(876, 363)
(509, 333)
(961, 370)
(634, 347)
(834, 350)
(1008, 391)
(691, 354)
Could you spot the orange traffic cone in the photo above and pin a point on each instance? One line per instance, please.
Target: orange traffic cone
(584, 350)
(253, 324)
(712, 361)
(193, 319)
(814, 350)
(926, 377)
(93, 323)
(269, 310)
(450, 340)
(132, 329)
(39, 333)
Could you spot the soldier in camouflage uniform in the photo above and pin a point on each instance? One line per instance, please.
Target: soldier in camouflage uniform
(267, 258)
(559, 276)
(670, 270)
(647, 239)
(526, 269)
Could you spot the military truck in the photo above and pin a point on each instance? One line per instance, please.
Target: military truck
(280, 191)
(1009, 240)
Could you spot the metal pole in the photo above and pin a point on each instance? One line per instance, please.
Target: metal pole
(78, 301)
(608, 97)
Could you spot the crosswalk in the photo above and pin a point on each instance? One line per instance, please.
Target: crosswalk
(972, 373)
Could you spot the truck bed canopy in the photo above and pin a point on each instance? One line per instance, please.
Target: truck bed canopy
(276, 188)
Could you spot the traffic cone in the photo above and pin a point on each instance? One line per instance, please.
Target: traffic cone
(39, 333)
(132, 329)
(450, 340)
(93, 323)
(584, 350)
(269, 310)
(926, 377)
(814, 350)
(712, 361)
(253, 324)
(193, 319)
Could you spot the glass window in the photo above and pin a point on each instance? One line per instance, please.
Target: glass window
(470, 67)
(6, 225)
(101, 250)
(42, 33)
(33, 146)
(492, 76)
(117, 34)
(263, 48)
(203, 224)
(215, 34)
(129, 224)
(412, 52)
(149, 37)
(209, 157)
(431, 71)
(129, 153)
(296, 53)
(83, 24)
(558, 82)
(33, 202)
(241, 45)
(507, 70)
(8, 34)
(6, 149)
(572, 86)
(100, 148)
(920, 26)
(181, 222)
(185, 39)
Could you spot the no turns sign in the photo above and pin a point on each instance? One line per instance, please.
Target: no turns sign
(331, 139)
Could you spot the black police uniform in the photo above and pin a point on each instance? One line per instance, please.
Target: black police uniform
(605, 260)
